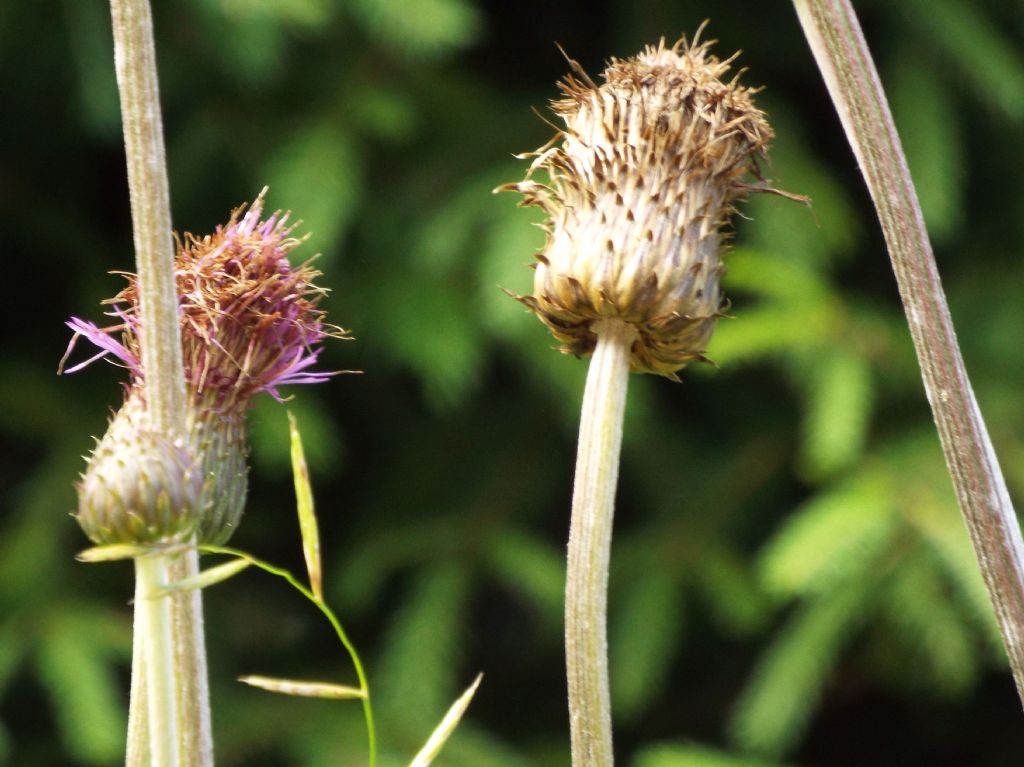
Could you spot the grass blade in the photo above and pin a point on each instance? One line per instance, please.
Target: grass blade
(304, 689)
(307, 515)
(443, 731)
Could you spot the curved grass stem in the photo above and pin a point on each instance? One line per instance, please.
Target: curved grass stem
(590, 538)
(322, 606)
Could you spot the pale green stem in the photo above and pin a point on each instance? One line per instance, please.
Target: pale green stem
(195, 742)
(137, 754)
(838, 44)
(153, 626)
(590, 541)
(190, 670)
(135, 63)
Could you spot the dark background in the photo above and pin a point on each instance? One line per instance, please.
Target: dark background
(791, 582)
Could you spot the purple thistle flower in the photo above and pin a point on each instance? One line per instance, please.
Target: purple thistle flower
(250, 323)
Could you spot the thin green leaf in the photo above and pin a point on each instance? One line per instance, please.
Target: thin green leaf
(927, 118)
(775, 707)
(978, 47)
(645, 635)
(307, 515)
(839, 396)
(116, 551)
(530, 567)
(304, 689)
(417, 663)
(318, 171)
(208, 577)
(828, 538)
(919, 606)
(443, 731)
(84, 690)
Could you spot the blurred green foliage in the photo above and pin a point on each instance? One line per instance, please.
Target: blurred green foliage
(791, 581)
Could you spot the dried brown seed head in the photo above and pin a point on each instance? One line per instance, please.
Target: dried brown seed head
(642, 180)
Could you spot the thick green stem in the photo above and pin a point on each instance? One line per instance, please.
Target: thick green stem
(135, 62)
(590, 540)
(190, 672)
(153, 631)
(137, 754)
(838, 44)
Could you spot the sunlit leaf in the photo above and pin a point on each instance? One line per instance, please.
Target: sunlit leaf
(447, 357)
(785, 280)
(769, 330)
(825, 230)
(304, 12)
(731, 591)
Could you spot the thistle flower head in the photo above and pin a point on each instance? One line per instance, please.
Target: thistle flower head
(641, 181)
(250, 323)
(250, 320)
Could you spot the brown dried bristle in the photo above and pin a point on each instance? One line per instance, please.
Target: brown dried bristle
(642, 180)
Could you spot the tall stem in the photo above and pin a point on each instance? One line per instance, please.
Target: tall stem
(135, 62)
(590, 540)
(838, 44)
(153, 627)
